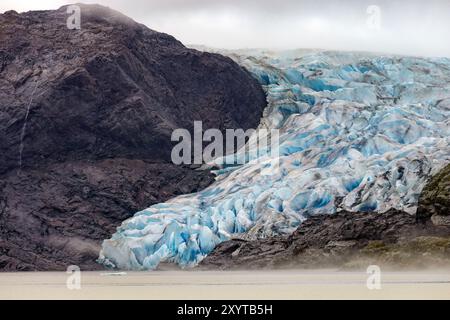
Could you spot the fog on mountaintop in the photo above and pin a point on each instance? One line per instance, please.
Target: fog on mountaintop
(412, 27)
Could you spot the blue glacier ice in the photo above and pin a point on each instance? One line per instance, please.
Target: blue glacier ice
(360, 132)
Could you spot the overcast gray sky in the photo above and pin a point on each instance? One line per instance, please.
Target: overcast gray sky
(412, 27)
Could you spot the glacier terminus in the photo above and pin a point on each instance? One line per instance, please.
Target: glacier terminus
(358, 131)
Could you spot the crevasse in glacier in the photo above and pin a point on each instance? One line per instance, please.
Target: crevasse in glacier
(357, 131)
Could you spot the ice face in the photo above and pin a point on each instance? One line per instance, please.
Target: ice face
(357, 131)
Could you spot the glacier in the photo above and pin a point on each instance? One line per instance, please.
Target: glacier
(358, 131)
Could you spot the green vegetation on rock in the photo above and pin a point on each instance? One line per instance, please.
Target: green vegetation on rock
(434, 201)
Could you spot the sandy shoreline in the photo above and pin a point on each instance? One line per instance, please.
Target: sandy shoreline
(189, 285)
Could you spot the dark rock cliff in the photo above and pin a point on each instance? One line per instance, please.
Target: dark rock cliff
(86, 118)
(112, 89)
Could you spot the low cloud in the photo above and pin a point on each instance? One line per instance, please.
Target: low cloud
(413, 27)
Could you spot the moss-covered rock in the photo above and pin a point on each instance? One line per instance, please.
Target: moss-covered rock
(434, 201)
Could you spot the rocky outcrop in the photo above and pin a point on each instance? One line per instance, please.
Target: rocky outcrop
(327, 241)
(348, 238)
(86, 118)
(434, 201)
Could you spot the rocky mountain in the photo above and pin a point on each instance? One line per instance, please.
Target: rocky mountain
(86, 118)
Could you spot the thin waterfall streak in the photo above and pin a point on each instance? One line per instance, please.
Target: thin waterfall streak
(24, 128)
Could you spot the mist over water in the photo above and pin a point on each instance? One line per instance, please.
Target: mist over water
(395, 26)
